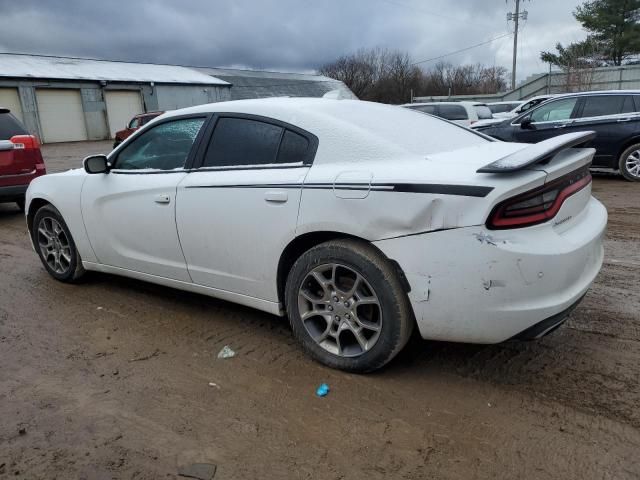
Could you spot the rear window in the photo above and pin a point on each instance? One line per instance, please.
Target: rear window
(425, 109)
(10, 126)
(502, 107)
(601, 105)
(484, 113)
(453, 112)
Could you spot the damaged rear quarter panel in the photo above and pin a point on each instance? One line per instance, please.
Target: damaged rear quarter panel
(329, 205)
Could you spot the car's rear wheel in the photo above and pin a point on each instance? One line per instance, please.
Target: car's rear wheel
(629, 163)
(55, 246)
(347, 306)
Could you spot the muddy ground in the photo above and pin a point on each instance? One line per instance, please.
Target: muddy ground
(111, 379)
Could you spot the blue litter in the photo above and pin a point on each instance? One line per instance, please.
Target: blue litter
(322, 390)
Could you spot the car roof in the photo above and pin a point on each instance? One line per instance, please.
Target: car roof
(357, 130)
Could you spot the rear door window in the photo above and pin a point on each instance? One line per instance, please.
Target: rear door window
(293, 148)
(453, 112)
(601, 105)
(238, 142)
(10, 126)
(241, 141)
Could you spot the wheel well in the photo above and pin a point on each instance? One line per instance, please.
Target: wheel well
(34, 206)
(307, 241)
(625, 145)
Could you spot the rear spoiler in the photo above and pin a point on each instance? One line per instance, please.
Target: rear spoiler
(537, 153)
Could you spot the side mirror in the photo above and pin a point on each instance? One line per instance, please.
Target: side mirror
(96, 164)
(526, 124)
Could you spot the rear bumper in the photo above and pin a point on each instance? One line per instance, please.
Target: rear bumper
(480, 286)
(12, 192)
(547, 325)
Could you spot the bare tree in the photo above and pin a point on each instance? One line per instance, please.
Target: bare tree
(389, 76)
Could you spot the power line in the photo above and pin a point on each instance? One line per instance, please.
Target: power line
(464, 49)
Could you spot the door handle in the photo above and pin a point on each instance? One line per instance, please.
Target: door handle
(624, 120)
(276, 196)
(163, 198)
(563, 125)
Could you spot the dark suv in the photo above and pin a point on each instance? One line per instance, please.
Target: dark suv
(613, 115)
(20, 159)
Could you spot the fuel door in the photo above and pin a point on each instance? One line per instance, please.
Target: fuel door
(352, 184)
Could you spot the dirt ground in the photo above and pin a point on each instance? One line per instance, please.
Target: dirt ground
(113, 379)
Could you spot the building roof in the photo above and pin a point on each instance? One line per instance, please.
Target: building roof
(261, 84)
(65, 68)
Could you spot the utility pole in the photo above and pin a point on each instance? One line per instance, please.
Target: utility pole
(516, 19)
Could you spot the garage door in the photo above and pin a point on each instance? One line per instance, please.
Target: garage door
(61, 115)
(9, 99)
(122, 105)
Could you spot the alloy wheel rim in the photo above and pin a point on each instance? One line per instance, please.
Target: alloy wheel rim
(54, 245)
(632, 163)
(340, 310)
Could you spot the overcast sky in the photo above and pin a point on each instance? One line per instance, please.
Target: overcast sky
(288, 35)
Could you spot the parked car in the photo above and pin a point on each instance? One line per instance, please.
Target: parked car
(20, 159)
(462, 113)
(358, 220)
(134, 124)
(503, 107)
(613, 115)
(522, 107)
(526, 105)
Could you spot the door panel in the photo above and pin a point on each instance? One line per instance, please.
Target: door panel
(233, 225)
(130, 213)
(129, 227)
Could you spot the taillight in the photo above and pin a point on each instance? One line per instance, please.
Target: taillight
(27, 142)
(539, 205)
(28, 147)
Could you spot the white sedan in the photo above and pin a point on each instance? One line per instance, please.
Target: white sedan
(358, 221)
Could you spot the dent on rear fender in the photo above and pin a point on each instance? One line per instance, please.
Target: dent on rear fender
(431, 216)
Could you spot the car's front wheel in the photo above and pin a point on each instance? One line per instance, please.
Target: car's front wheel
(347, 306)
(629, 163)
(55, 246)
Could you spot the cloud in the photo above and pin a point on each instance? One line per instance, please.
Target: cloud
(295, 35)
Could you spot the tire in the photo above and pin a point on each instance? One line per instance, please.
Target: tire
(62, 251)
(629, 163)
(20, 203)
(329, 333)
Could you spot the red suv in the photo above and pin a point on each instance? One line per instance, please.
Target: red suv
(135, 123)
(20, 159)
